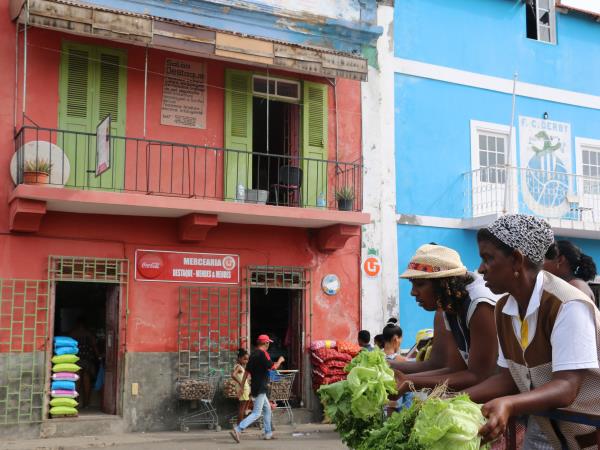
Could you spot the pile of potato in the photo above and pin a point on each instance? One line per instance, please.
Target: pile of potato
(194, 390)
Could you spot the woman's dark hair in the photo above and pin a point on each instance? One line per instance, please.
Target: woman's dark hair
(391, 330)
(581, 265)
(392, 321)
(485, 235)
(452, 292)
(242, 352)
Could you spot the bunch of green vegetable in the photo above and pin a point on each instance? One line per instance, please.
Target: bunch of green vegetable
(355, 405)
(432, 424)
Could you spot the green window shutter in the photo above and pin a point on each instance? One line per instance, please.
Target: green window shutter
(92, 84)
(75, 89)
(314, 142)
(111, 86)
(238, 131)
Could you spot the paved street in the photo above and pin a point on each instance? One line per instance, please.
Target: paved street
(319, 440)
(313, 436)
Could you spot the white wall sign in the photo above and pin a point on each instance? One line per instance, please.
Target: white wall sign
(330, 284)
(184, 94)
(103, 146)
(545, 153)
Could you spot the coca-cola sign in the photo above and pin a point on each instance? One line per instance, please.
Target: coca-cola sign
(214, 268)
(150, 265)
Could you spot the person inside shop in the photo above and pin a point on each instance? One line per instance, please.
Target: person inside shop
(364, 340)
(238, 375)
(258, 367)
(392, 340)
(464, 346)
(378, 340)
(565, 260)
(88, 359)
(547, 332)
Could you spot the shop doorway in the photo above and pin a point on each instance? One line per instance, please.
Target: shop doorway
(89, 312)
(275, 148)
(278, 313)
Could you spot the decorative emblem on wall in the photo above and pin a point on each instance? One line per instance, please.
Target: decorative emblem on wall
(545, 153)
(330, 284)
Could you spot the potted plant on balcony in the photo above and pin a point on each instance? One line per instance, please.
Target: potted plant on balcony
(345, 198)
(36, 171)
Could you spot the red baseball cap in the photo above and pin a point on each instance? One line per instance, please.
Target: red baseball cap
(263, 338)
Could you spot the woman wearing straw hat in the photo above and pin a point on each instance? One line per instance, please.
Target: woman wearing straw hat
(548, 332)
(465, 343)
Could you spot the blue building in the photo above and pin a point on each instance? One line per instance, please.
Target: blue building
(464, 72)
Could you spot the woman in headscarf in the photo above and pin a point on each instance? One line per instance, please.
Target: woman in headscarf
(464, 337)
(565, 260)
(547, 330)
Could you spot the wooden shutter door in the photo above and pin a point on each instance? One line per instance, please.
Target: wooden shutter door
(238, 131)
(314, 142)
(75, 109)
(111, 85)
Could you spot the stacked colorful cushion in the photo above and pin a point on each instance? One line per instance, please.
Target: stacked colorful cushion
(65, 368)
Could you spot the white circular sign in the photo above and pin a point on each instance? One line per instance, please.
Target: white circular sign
(229, 263)
(330, 284)
(44, 150)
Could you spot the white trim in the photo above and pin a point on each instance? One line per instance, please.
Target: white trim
(561, 227)
(497, 84)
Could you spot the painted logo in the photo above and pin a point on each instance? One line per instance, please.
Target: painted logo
(150, 265)
(330, 284)
(228, 263)
(372, 266)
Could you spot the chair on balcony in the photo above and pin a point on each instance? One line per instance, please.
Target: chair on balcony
(288, 186)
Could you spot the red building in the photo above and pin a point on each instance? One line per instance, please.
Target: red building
(206, 216)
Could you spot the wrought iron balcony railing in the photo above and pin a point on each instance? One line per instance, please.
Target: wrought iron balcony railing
(184, 170)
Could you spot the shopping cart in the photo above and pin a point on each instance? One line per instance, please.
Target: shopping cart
(280, 390)
(202, 390)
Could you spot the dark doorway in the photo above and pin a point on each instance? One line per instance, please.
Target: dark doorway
(88, 312)
(283, 137)
(278, 313)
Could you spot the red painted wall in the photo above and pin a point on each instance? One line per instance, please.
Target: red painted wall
(153, 307)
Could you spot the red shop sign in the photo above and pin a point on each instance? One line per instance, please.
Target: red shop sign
(181, 267)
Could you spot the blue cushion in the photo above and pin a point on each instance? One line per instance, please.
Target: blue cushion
(68, 385)
(66, 350)
(64, 341)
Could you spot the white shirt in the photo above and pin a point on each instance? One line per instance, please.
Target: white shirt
(573, 337)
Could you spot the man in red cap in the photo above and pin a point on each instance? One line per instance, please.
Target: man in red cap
(258, 368)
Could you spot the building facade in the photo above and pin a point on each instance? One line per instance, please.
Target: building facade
(173, 177)
(496, 109)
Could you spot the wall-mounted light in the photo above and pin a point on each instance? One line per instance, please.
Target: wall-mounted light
(545, 116)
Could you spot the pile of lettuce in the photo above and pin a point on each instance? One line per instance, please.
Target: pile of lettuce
(355, 405)
(432, 424)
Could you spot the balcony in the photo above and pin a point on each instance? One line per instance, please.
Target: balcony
(570, 203)
(168, 179)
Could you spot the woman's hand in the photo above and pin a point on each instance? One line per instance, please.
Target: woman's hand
(497, 412)
(402, 383)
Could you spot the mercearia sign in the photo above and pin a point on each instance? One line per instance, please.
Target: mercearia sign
(173, 267)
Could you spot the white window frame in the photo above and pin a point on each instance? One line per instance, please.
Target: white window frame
(478, 127)
(580, 143)
(551, 22)
(276, 81)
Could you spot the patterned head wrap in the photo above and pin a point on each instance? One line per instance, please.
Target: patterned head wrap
(530, 235)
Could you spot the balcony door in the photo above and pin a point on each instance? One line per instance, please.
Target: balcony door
(93, 83)
(241, 126)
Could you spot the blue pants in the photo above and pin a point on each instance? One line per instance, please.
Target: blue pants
(261, 406)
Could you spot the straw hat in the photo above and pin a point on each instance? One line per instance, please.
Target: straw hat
(434, 261)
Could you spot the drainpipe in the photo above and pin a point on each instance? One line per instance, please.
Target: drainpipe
(25, 57)
(145, 87)
(334, 84)
(16, 77)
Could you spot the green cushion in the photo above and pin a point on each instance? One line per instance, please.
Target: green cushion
(68, 402)
(63, 411)
(66, 367)
(61, 359)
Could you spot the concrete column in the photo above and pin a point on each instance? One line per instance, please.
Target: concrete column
(380, 293)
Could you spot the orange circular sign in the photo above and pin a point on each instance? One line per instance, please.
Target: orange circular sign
(372, 266)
